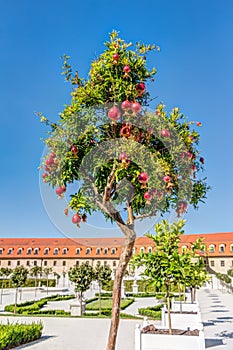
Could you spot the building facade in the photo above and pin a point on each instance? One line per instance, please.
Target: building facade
(61, 254)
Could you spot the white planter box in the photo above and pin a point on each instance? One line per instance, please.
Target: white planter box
(168, 342)
(185, 306)
(182, 321)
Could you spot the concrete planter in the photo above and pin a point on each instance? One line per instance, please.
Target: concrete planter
(188, 306)
(77, 308)
(182, 320)
(168, 342)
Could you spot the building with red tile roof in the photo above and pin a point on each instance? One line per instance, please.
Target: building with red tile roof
(63, 253)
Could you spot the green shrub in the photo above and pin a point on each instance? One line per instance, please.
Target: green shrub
(13, 335)
(106, 304)
(33, 307)
(153, 311)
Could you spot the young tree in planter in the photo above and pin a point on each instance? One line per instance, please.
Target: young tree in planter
(36, 271)
(82, 276)
(123, 155)
(47, 271)
(162, 265)
(18, 279)
(102, 275)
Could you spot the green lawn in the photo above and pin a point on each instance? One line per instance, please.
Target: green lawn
(107, 304)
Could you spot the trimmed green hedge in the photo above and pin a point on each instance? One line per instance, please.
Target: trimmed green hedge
(13, 335)
(153, 311)
(33, 307)
(143, 287)
(30, 283)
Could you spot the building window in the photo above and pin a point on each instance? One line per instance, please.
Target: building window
(142, 250)
(29, 251)
(20, 251)
(1, 250)
(88, 251)
(211, 248)
(184, 247)
(113, 251)
(9, 263)
(98, 251)
(78, 251)
(36, 251)
(105, 251)
(222, 263)
(77, 263)
(46, 251)
(28, 263)
(55, 252)
(222, 248)
(64, 263)
(114, 263)
(10, 251)
(231, 248)
(212, 263)
(150, 250)
(134, 250)
(231, 262)
(18, 263)
(45, 263)
(64, 251)
(35, 263)
(54, 263)
(105, 263)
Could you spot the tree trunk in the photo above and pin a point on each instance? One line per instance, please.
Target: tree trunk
(99, 297)
(116, 296)
(16, 295)
(47, 284)
(169, 310)
(180, 297)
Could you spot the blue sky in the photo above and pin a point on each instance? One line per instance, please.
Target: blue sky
(195, 73)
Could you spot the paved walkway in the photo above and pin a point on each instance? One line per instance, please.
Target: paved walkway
(87, 334)
(140, 303)
(217, 316)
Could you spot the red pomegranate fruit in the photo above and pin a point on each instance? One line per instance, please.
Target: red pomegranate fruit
(126, 105)
(76, 219)
(136, 107)
(114, 113)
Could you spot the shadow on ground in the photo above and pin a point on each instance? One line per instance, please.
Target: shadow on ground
(209, 343)
(42, 339)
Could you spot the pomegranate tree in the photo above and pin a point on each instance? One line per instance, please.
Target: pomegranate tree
(120, 152)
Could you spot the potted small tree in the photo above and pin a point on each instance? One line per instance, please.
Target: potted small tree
(163, 268)
(18, 279)
(81, 276)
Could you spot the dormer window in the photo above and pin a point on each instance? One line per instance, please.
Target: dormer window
(10, 250)
(113, 251)
(78, 251)
(142, 249)
(46, 251)
(184, 248)
(88, 251)
(134, 250)
(105, 250)
(222, 248)
(149, 249)
(55, 251)
(29, 251)
(231, 248)
(36, 251)
(211, 248)
(64, 251)
(20, 250)
(98, 250)
(1, 251)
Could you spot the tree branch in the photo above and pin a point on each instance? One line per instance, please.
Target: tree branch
(143, 216)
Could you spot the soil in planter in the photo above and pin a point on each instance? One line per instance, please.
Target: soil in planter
(151, 329)
(184, 312)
